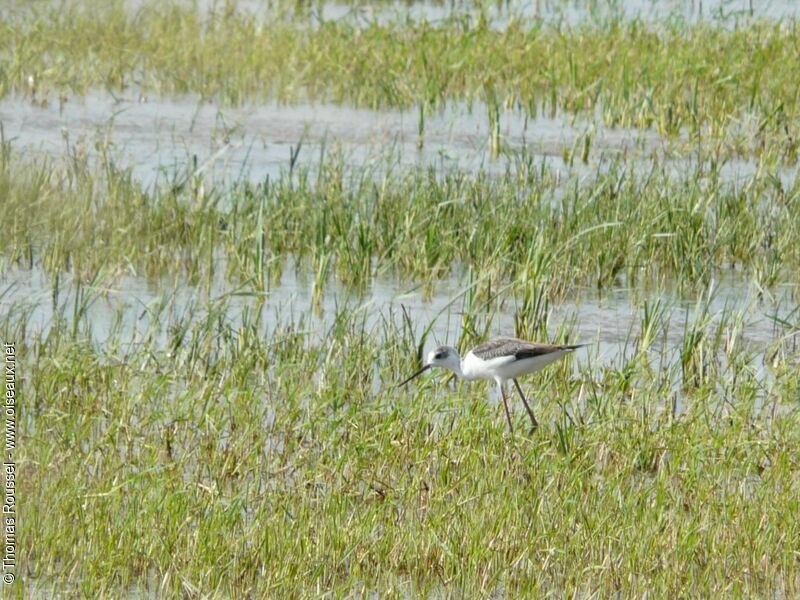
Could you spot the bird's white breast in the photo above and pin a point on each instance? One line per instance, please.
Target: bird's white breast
(505, 367)
(473, 367)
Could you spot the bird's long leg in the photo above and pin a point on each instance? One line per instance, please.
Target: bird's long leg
(534, 424)
(505, 403)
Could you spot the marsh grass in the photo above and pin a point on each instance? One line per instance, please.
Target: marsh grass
(224, 456)
(233, 461)
(219, 452)
(702, 79)
(80, 215)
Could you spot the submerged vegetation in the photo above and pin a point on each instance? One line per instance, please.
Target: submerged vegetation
(217, 447)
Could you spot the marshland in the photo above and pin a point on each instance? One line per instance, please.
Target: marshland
(229, 229)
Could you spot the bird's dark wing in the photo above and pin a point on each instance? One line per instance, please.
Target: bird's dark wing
(519, 349)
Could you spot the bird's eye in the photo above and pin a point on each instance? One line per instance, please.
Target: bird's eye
(439, 355)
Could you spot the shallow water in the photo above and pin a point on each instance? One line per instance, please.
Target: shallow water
(131, 309)
(153, 134)
(500, 12)
(157, 137)
(571, 12)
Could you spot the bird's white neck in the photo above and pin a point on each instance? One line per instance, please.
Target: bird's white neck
(466, 370)
(455, 364)
(459, 370)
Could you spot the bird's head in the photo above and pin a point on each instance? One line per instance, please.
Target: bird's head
(444, 356)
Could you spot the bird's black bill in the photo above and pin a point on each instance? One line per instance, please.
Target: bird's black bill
(415, 375)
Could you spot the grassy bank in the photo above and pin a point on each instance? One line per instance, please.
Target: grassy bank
(696, 78)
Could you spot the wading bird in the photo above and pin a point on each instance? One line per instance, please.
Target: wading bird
(499, 359)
